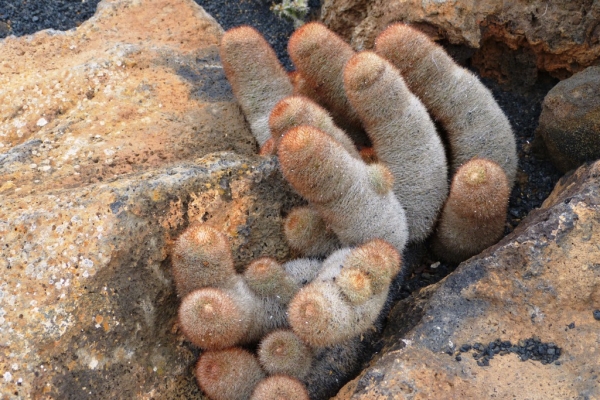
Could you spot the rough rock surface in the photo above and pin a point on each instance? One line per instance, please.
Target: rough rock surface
(103, 162)
(137, 86)
(541, 281)
(570, 120)
(514, 38)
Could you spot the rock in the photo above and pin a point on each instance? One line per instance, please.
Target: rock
(537, 289)
(103, 162)
(137, 86)
(513, 39)
(570, 121)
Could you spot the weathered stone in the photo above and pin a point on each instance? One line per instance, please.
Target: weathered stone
(570, 120)
(542, 281)
(514, 38)
(103, 162)
(137, 86)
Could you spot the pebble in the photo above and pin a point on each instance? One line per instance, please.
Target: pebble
(527, 349)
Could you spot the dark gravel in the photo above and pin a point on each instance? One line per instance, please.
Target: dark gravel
(528, 349)
(24, 17)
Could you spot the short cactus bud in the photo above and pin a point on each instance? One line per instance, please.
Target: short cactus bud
(403, 136)
(282, 352)
(340, 189)
(474, 123)
(230, 374)
(202, 258)
(280, 387)
(211, 319)
(307, 233)
(320, 56)
(267, 278)
(379, 260)
(355, 285)
(474, 215)
(257, 78)
(312, 314)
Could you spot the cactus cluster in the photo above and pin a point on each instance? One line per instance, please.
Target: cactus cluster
(298, 313)
(355, 136)
(396, 189)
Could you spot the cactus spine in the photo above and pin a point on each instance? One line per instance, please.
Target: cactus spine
(403, 136)
(475, 124)
(474, 214)
(257, 78)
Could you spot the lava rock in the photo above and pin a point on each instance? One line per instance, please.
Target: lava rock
(517, 297)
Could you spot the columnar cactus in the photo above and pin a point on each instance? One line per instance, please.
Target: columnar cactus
(403, 136)
(320, 57)
(340, 188)
(331, 310)
(475, 124)
(218, 312)
(230, 374)
(257, 78)
(310, 316)
(294, 111)
(474, 215)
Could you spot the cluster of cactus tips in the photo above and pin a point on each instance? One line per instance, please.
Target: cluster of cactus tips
(355, 137)
(294, 311)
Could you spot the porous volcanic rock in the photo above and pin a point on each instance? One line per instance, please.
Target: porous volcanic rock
(537, 289)
(105, 132)
(514, 39)
(570, 121)
(137, 86)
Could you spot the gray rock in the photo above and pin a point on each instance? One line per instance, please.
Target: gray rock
(570, 121)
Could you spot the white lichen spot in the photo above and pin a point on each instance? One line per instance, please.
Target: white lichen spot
(7, 376)
(93, 363)
(87, 263)
(41, 122)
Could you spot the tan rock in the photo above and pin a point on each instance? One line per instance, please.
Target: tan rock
(138, 86)
(559, 36)
(102, 164)
(543, 280)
